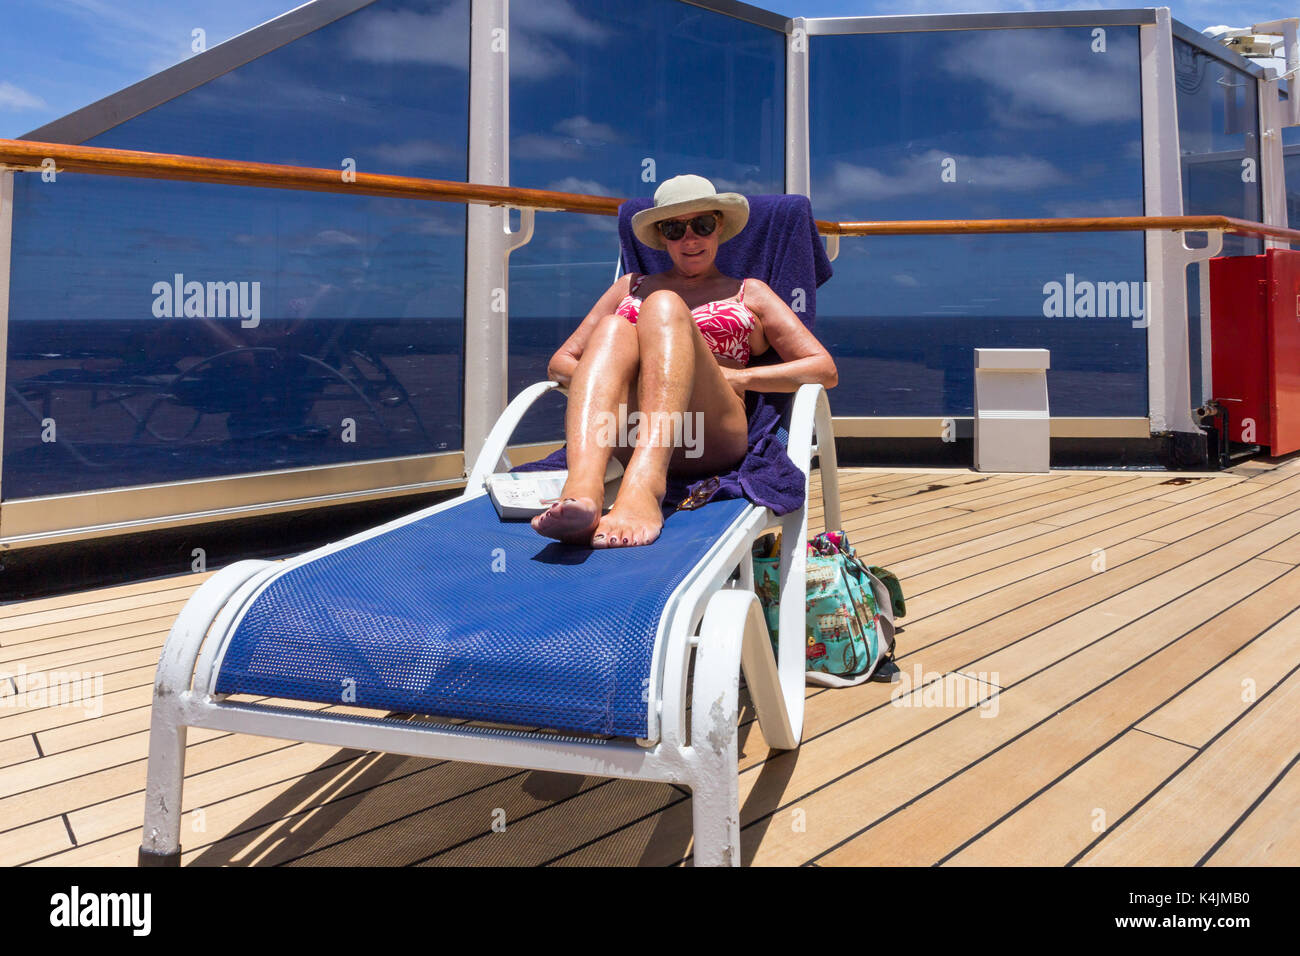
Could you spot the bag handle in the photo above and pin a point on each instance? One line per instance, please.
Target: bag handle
(889, 614)
(857, 608)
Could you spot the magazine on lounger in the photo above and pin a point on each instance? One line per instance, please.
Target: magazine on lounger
(523, 494)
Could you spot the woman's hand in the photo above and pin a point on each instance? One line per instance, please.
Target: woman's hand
(737, 378)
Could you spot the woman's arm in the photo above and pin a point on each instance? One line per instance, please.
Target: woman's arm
(565, 360)
(805, 359)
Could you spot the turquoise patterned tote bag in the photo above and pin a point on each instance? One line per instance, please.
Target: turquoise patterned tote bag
(849, 610)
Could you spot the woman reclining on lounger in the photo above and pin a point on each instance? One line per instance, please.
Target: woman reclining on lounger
(674, 345)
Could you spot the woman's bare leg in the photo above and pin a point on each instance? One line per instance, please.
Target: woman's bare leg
(678, 378)
(599, 385)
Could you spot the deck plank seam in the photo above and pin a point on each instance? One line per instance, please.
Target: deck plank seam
(1287, 564)
(862, 508)
(106, 657)
(1187, 763)
(1247, 812)
(1122, 494)
(975, 677)
(1005, 611)
(75, 720)
(340, 762)
(144, 632)
(1120, 523)
(330, 763)
(530, 814)
(14, 624)
(976, 524)
(90, 773)
(1181, 743)
(625, 826)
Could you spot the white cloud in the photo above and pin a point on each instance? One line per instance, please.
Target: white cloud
(555, 18)
(1088, 208)
(572, 184)
(743, 186)
(405, 36)
(577, 135)
(538, 31)
(579, 127)
(442, 224)
(1039, 74)
(151, 39)
(415, 152)
(542, 146)
(16, 98)
(920, 176)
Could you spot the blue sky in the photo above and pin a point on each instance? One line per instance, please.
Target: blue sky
(59, 55)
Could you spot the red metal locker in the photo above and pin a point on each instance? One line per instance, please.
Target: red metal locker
(1255, 346)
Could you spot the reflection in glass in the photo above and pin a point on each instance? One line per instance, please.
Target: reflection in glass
(612, 97)
(983, 124)
(1291, 170)
(354, 352)
(1218, 137)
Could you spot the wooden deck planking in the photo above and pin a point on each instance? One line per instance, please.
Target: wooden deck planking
(999, 576)
(1270, 834)
(1182, 822)
(1058, 823)
(1071, 730)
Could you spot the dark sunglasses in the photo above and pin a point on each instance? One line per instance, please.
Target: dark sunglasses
(674, 229)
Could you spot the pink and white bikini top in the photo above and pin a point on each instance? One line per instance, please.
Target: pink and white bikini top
(725, 323)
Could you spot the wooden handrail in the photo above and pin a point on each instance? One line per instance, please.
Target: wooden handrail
(936, 227)
(201, 169)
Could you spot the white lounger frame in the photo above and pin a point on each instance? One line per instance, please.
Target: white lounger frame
(713, 612)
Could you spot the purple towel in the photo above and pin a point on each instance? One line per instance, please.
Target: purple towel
(779, 245)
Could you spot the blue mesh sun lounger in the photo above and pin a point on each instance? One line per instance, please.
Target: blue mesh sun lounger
(452, 613)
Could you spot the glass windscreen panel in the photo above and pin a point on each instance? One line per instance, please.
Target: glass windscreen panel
(984, 124)
(164, 331)
(1218, 138)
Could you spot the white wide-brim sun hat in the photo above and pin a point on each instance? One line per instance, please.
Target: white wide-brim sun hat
(684, 196)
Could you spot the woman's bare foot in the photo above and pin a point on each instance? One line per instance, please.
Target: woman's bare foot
(571, 520)
(636, 519)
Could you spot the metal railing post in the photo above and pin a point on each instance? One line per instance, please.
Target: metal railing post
(1272, 167)
(798, 175)
(486, 280)
(1168, 350)
(6, 253)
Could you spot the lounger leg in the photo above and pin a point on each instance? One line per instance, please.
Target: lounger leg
(715, 811)
(714, 751)
(161, 844)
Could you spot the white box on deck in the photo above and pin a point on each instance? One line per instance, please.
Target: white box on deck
(1012, 424)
